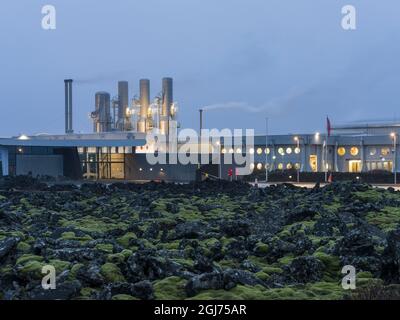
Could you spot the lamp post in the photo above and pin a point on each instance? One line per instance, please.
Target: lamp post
(297, 140)
(394, 137)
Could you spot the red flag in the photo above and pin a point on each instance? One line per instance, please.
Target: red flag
(328, 126)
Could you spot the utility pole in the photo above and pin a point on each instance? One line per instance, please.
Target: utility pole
(266, 150)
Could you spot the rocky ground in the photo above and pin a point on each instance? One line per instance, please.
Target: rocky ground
(212, 240)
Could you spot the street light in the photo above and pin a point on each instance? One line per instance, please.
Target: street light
(394, 137)
(297, 140)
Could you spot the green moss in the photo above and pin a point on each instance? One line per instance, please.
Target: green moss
(261, 247)
(111, 273)
(87, 292)
(105, 247)
(74, 270)
(171, 288)
(123, 297)
(271, 270)
(387, 219)
(262, 276)
(124, 240)
(116, 258)
(174, 245)
(23, 247)
(364, 275)
(28, 258)
(71, 236)
(31, 269)
(92, 224)
(59, 265)
(286, 259)
(332, 265)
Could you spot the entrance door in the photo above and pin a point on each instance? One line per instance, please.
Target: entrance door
(355, 166)
(313, 163)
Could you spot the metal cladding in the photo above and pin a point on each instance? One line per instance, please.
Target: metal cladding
(103, 112)
(68, 106)
(144, 104)
(167, 101)
(123, 104)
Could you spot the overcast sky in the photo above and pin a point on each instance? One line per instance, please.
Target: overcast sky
(289, 60)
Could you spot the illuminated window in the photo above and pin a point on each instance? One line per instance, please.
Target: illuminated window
(297, 150)
(354, 151)
(297, 166)
(231, 150)
(251, 166)
(259, 151)
(259, 166)
(289, 150)
(289, 166)
(238, 150)
(267, 151)
(341, 151)
(280, 166)
(251, 150)
(372, 151)
(281, 151)
(385, 151)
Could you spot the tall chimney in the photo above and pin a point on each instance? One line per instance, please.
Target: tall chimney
(167, 101)
(68, 106)
(144, 103)
(123, 99)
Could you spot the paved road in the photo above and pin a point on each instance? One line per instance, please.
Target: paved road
(311, 185)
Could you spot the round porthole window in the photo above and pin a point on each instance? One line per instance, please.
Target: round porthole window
(354, 151)
(341, 151)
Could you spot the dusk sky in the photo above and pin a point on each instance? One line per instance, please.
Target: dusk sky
(289, 60)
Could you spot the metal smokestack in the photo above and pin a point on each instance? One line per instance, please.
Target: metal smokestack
(167, 101)
(103, 112)
(201, 120)
(123, 104)
(144, 104)
(68, 106)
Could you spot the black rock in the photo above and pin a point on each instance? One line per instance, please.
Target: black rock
(63, 291)
(304, 270)
(7, 245)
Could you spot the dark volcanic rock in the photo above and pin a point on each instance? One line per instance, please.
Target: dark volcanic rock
(6, 246)
(304, 270)
(227, 280)
(63, 291)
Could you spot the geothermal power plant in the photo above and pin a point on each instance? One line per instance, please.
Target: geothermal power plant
(118, 146)
(121, 113)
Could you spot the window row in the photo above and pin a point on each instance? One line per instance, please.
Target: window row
(354, 151)
(280, 166)
(259, 151)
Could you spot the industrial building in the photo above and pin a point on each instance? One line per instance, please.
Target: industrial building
(118, 146)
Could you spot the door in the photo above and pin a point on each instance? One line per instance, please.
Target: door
(313, 163)
(355, 166)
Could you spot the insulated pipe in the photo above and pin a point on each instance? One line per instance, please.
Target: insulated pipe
(123, 104)
(167, 101)
(68, 106)
(144, 103)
